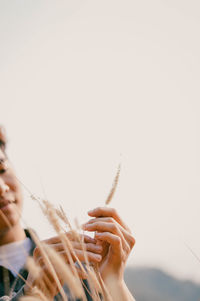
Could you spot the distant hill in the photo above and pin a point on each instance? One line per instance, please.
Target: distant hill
(147, 284)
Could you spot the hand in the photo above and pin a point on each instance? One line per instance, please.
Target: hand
(116, 238)
(45, 280)
(40, 279)
(79, 248)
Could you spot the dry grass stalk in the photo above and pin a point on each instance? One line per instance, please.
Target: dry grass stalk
(114, 186)
(31, 298)
(104, 290)
(95, 288)
(64, 238)
(51, 214)
(61, 214)
(64, 271)
(48, 263)
(35, 295)
(10, 227)
(33, 267)
(55, 263)
(192, 252)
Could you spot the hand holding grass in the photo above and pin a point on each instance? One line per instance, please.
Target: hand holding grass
(117, 244)
(110, 229)
(44, 278)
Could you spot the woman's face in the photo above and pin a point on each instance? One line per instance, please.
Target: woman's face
(11, 199)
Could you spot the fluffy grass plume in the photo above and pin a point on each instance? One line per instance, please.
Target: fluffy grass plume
(114, 186)
(65, 271)
(62, 271)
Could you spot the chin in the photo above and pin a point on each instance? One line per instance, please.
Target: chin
(8, 221)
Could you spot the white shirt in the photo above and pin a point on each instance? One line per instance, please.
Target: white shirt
(13, 255)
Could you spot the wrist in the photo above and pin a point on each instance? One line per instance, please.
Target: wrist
(118, 289)
(114, 281)
(113, 276)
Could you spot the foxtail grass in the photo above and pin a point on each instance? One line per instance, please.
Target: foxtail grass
(63, 269)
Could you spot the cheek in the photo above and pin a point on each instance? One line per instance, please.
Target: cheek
(17, 196)
(16, 190)
(19, 199)
(10, 217)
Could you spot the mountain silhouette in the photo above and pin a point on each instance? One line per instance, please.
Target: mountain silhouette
(150, 284)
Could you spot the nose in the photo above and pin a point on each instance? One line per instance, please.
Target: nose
(3, 187)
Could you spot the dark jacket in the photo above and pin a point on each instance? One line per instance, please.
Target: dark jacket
(10, 285)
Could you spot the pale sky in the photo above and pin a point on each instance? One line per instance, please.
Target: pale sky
(82, 82)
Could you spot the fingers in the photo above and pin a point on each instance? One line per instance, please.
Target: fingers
(70, 235)
(110, 215)
(88, 247)
(108, 212)
(81, 254)
(46, 283)
(96, 226)
(92, 257)
(112, 239)
(78, 246)
(81, 250)
(45, 280)
(111, 227)
(84, 242)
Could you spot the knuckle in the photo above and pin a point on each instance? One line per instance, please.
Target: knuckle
(51, 240)
(132, 241)
(99, 208)
(124, 256)
(113, 227)
(118, 240)
(48, 241)
(128, 249)
(111, 220)
(113, 211)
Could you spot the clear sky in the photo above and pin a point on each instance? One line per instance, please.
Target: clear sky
(82, 82)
